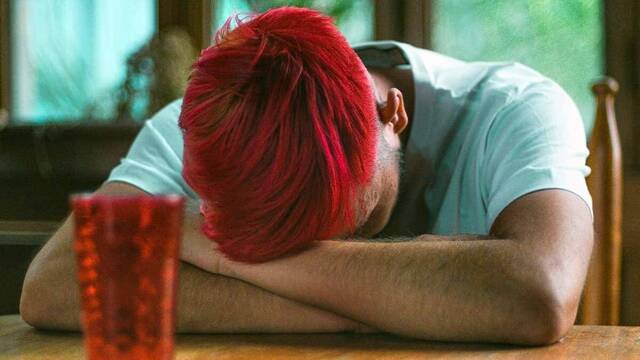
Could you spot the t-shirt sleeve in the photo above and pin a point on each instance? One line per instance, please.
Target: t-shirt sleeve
(535, 143)
(154, 161)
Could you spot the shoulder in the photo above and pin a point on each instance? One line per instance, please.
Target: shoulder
(163, 127)
(537, 106)
(536, 141)
(166, 120)
(154, 161)
(536, 112)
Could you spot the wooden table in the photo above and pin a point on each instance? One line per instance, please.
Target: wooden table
(19, 341)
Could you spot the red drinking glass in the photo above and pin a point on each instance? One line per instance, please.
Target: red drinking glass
(127, 253)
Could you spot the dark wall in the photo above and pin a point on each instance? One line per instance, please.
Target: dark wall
(39, 167)
(15, 260)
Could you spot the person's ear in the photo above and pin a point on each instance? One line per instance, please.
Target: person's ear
(393, 112)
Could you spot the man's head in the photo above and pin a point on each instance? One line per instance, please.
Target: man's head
(282, 138)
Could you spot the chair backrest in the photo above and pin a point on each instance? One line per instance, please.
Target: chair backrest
(601, 297)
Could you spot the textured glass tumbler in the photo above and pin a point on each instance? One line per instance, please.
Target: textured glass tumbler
(127, 254)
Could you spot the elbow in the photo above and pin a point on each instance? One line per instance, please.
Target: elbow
(548, 327)
(547, 317)
(42, 307)
(31, 304)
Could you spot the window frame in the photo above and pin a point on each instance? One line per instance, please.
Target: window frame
(622, 61)
(5, 55)
(193, 16)
(411, 22)
(405, 21)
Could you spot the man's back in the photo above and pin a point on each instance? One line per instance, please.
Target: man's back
(482, 135)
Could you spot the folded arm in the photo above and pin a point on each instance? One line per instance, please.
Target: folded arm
(206, 302)
(521, 286)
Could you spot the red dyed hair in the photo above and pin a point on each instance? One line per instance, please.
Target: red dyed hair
(280, 133)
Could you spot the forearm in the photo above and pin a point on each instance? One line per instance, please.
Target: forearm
(483, 290)
(206, 302)
(215, 303)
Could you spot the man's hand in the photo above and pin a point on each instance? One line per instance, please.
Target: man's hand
(522, 286)
(195, 247)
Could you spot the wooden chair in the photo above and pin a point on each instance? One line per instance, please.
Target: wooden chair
(601, 297)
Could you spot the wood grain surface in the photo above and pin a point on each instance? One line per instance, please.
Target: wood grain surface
(20, 341)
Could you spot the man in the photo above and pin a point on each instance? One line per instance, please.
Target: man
(494, 150)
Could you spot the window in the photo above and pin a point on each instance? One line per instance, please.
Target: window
(69, 56)
(560, 39)
(354, 18)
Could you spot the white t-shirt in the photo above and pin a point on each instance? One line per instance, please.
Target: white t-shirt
(483, 135)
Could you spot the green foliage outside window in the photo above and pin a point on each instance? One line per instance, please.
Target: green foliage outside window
(562, 39)
(353, 17)
(55, 80)
(68, 57)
